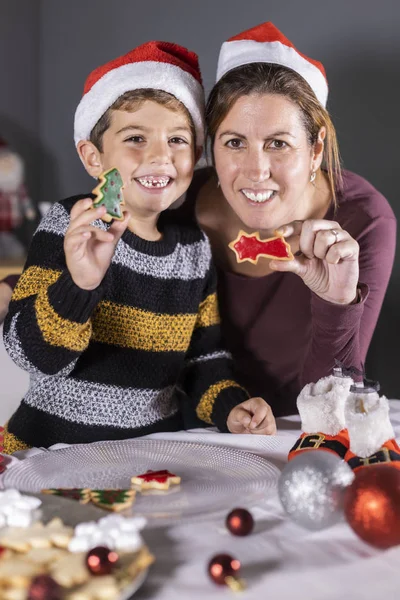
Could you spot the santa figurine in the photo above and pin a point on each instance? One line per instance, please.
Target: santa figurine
(15, 205)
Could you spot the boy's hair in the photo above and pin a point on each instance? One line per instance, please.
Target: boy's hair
(132, 101)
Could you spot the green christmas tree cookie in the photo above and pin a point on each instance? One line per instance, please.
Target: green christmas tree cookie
(109, 192)
(80, 494)
(115, 500)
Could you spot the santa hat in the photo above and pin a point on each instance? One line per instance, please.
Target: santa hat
(266, 44)
(157, 65)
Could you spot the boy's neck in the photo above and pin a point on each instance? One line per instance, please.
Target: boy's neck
(145, 228)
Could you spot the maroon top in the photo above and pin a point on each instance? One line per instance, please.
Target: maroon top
(281, 334)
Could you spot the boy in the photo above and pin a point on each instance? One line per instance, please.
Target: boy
(110, 320)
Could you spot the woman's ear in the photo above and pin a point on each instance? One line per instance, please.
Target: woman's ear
(91, 157)
(318, 149)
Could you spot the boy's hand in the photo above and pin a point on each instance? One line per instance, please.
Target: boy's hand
(252, 416)
(88, 249)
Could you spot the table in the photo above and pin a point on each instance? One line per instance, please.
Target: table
(280, 560)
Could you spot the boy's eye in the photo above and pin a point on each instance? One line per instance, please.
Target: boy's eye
(135, 138)
(177, 140)
(234, 143)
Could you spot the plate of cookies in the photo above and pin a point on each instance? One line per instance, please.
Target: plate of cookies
(77, 555)
(162, 480)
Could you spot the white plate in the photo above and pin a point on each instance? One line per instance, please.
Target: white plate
(214, 478)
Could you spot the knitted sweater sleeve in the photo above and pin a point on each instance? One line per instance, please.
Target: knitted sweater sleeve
(48, 325)
(208, 378)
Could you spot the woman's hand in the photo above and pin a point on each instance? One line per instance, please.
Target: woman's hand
(328, 263)
(252, 416)
(5, 298)
(88, 249)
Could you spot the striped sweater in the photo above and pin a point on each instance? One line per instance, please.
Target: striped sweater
(112, 363)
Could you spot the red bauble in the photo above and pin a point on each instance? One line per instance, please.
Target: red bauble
(101, 560)
(240, 522)
(224, 570)
(372, 505)
(43, 587)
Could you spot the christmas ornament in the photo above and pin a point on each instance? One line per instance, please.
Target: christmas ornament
(372, 505)
(250, 247)
(311, 488)
(224, 570)
(109, 194)
(240, 522)
(101, 560)
(43, 587)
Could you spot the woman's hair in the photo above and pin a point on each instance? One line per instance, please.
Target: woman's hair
(265, 78)
(131, 101)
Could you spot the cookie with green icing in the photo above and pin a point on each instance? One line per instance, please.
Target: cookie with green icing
(82, 495)
(108, 192)
(115, 500)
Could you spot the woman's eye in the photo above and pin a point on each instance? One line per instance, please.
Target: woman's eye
(234, 143)
(278, 144)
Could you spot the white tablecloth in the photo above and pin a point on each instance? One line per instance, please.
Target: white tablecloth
(280, 560)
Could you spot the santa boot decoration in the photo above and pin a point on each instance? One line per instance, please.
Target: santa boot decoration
(321, 408)
(370, 431)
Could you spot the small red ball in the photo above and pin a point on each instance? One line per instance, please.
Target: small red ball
(101, 560)
(222, 566)
(372, 505)
(240, 522)
(43, 587)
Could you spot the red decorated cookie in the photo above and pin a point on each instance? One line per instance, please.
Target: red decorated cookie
(250, 247)
(158, 480)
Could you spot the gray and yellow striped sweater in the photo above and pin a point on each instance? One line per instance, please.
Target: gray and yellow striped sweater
(107, 363)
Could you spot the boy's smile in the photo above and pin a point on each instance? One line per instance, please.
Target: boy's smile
(153, 149)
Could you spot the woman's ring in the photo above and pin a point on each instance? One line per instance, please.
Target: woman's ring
(336, 234)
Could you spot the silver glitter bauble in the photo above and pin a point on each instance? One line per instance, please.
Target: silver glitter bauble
(311, 488)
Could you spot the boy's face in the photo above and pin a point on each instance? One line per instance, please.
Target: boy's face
(153, 149)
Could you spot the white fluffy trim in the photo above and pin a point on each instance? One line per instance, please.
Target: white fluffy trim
(321, 405)
(133, 76)
(367, 419)
(242, 52)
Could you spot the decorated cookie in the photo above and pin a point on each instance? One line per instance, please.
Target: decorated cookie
(159, 480)
(114, 500)
(250, 247)
(82, 495)
(109, 193)
(97, 588)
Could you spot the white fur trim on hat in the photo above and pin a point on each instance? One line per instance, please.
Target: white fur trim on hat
(321, 405)
(368, 422)
(145, 74)
(242, 52)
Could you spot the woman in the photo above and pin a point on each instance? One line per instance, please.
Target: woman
(276, 167)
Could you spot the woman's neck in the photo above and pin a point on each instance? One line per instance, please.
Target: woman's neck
(222, 224)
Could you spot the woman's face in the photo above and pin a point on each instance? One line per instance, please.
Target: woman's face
(264, 161)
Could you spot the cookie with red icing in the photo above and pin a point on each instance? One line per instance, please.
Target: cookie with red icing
(156, 480)
(249, 246)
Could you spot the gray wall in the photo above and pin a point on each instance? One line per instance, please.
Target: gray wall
(357, 41)
(20, 83)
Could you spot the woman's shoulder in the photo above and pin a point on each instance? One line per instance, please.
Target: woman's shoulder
(358, 194)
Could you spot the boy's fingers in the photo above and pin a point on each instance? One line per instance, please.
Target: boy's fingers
(80, 207)
(87, 216)
(118, 227)
(87, 232)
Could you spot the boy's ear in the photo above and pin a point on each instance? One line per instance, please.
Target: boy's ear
(91, 157)
(198, 153)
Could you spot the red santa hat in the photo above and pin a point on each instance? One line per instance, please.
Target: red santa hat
(158, 65)
(266, 44)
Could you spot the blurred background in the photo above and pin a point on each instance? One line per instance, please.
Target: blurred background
(48, 47)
